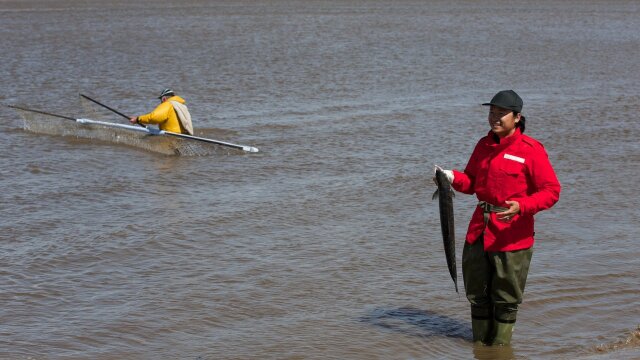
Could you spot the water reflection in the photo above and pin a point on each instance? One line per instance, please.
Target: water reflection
(482, 352)
(426, 323)
(421, 323)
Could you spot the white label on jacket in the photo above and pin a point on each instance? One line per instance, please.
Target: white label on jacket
(514, 158)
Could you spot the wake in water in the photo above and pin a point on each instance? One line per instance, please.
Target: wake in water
(631, 341)
(51, 125)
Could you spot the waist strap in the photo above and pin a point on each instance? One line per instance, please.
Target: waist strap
(489, 208)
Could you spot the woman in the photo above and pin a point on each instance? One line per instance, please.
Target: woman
(512, 177)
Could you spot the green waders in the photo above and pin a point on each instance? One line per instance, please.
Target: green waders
(494, 283)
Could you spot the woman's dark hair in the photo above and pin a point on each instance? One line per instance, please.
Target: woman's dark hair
(521, 123)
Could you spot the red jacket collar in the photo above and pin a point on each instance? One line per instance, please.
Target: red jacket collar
(491, 138)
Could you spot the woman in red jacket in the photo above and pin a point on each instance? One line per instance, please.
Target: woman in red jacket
(512, 177)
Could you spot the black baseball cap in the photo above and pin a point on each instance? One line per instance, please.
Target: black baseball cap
(507, 99)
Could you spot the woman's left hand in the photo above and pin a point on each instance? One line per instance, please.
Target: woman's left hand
(514, 209)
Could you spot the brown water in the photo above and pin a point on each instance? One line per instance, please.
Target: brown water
(326, 245)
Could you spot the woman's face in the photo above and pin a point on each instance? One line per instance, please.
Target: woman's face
(502, 121)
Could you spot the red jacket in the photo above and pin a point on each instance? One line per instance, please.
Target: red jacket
(517, 169)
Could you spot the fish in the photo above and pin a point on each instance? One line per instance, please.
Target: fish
(445, 195)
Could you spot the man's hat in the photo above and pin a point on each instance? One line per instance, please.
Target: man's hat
(166, 92)
(507, 99)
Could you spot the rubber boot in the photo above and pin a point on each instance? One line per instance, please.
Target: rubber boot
(481, 330)
(502, 333)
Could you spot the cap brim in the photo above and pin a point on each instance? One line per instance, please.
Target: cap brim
(500, 106)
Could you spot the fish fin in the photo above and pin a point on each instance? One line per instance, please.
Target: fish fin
(435, 195)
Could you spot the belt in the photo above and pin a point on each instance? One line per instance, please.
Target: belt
(489, 208)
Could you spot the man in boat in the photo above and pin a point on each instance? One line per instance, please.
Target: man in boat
(171, 115)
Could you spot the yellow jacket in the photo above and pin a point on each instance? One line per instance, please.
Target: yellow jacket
(164, 116)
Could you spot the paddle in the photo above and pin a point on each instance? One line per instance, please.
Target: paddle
(184, 136)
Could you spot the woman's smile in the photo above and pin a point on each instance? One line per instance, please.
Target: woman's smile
(502, 121)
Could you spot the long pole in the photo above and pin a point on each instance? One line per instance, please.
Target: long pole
(42, 112)
(185, 136)
(112, 109)
(105, 106)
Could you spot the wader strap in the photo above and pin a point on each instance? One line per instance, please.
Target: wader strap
(489, 208)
